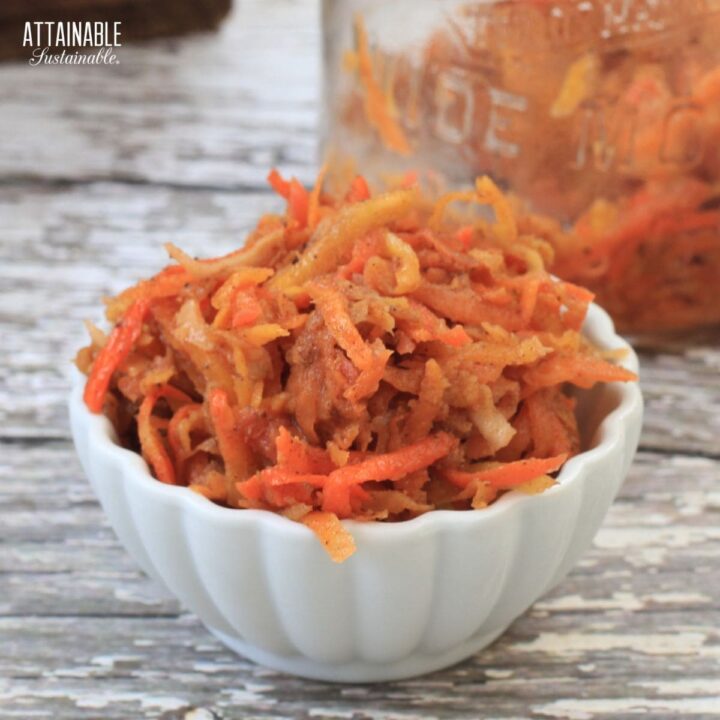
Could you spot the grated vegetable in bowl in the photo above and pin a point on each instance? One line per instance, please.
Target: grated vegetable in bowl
(370, 356)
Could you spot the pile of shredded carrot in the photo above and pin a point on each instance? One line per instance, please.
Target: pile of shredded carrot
(649, 245)
(371, 356)
(652, 258)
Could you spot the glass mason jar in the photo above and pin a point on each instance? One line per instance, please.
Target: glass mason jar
(601, 117)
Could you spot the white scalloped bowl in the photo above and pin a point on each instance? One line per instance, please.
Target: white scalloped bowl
(417, 596)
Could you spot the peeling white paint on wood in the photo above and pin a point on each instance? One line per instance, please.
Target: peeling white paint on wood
(706, 686)
(665, 644)
(616, 708)
(624, 601)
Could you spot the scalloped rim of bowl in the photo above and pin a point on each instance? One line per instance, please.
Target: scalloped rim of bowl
(598, 328)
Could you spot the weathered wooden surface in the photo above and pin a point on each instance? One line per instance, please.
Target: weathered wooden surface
(97, 170)
(209, 110)
(635, 628)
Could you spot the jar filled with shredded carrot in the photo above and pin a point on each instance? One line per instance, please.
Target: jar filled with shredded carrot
(600, 117)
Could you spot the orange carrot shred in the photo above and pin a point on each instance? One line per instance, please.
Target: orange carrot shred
(391, 466)
(335, 538)
(314, 208)
(119, 346)
(359, 190)
(377, 106)
(298, 203)
(508, 476)
(465, 236)
(245, 309)
(297, 196)
(456, 337)
(151, 443)
(230, 440)
(299, 457)
(174, 433)
(279, 184)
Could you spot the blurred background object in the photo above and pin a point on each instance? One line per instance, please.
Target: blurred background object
(140, 19)
(602, 117)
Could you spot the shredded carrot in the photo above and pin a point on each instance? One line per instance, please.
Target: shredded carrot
(429, 404)
(397, 464)
(456, 337)
(528, 299)
(391, 466)
(118, 347)
(151, 443)
(359, 190)
(378, 107)
(231, 443)
(333, 247)
(262, 249)
(580, 371)
(182, 423)
(465, 306)
(332, 534)
(352, 362)
(246, 309)
(508, 476)
(299, 457)
(298, 203)
(314, 207)
(167, 283)
(332, 305)
(298, 198)
(465, 236)
(279, 184)
(364, 249)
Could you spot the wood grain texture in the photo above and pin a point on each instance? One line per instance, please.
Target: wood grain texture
(635, 627)
(214, 110)
(98, 168)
